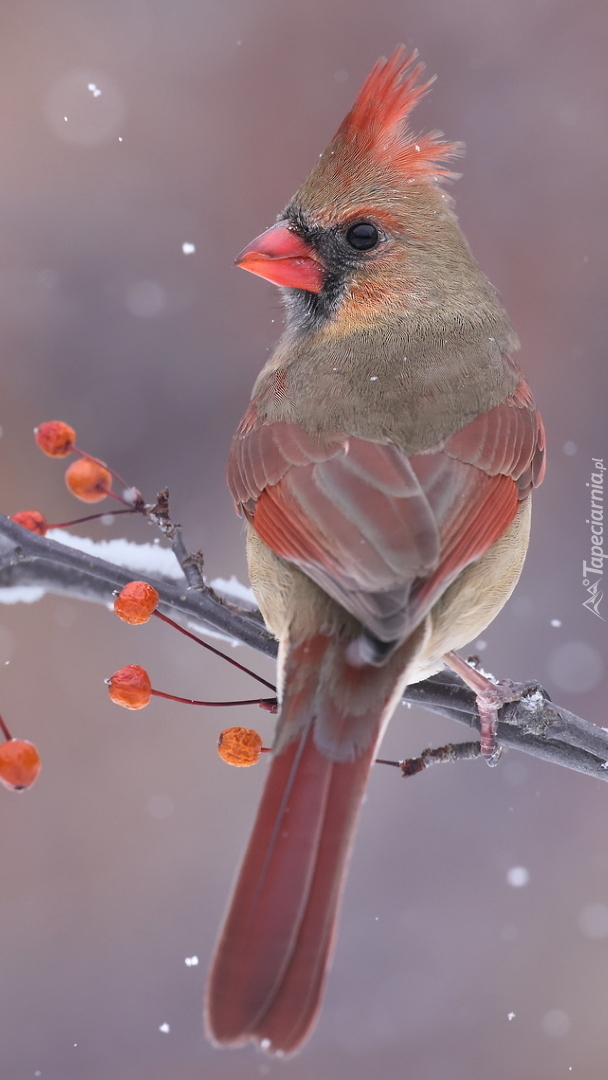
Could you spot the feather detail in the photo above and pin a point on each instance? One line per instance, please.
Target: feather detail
(509, 439)
(275, 947)
(382, 533)
(376, 124)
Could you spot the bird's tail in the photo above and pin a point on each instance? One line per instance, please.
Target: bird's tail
(271, 961)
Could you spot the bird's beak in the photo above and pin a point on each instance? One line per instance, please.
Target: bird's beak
(282, 256)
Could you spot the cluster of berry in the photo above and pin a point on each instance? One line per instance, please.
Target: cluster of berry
(90, 480)
(130, 686)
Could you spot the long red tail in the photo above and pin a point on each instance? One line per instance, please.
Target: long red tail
(272, 957)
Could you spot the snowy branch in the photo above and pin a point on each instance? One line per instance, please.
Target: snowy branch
(31, 565)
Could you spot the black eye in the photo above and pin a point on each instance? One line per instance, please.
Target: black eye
(363, 236)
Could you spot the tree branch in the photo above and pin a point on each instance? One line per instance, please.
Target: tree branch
(534, 725)
(29, 559)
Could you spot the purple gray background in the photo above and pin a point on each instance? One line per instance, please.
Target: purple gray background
(116, 867)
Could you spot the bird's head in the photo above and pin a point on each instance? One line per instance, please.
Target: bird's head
(370, 231)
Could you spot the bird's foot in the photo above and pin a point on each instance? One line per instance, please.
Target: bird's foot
(491, 696)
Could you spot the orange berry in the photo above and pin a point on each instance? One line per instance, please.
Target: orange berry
(130, 687)
(239, 746)
(32, 520)
(88, 480)
(19, 764)
(136, 602)
(55, 438)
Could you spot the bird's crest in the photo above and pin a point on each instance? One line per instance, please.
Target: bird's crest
(377, 123)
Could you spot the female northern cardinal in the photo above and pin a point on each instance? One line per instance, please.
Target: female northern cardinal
(384, 468)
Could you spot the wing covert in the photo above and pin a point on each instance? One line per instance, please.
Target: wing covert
(382, 533)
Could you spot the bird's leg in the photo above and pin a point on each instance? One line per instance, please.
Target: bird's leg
(491, 696)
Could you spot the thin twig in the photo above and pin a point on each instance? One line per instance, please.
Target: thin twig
(192, 565)
(439, 755)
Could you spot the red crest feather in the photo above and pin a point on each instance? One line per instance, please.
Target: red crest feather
(377, 120)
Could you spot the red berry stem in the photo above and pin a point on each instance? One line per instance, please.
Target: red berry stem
(217, 652)
(119, 498)
(83, 453)
(4, 730)
(191, 701)
(91, 517)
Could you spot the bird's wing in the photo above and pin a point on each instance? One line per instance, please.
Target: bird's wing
(382, 533)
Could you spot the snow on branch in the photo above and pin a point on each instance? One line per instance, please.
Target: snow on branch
(31, 565)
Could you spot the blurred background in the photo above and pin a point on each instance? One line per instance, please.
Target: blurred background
(474, 936)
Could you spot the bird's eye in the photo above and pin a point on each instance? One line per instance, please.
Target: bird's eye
(363, 236)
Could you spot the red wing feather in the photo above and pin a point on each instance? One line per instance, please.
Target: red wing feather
(509, 439)
(381, 533)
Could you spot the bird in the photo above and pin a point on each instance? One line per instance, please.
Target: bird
(383, 468)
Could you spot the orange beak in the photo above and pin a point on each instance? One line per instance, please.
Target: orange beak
(281, 256)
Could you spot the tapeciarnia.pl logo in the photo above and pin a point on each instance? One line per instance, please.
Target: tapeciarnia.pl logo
(593, 571)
